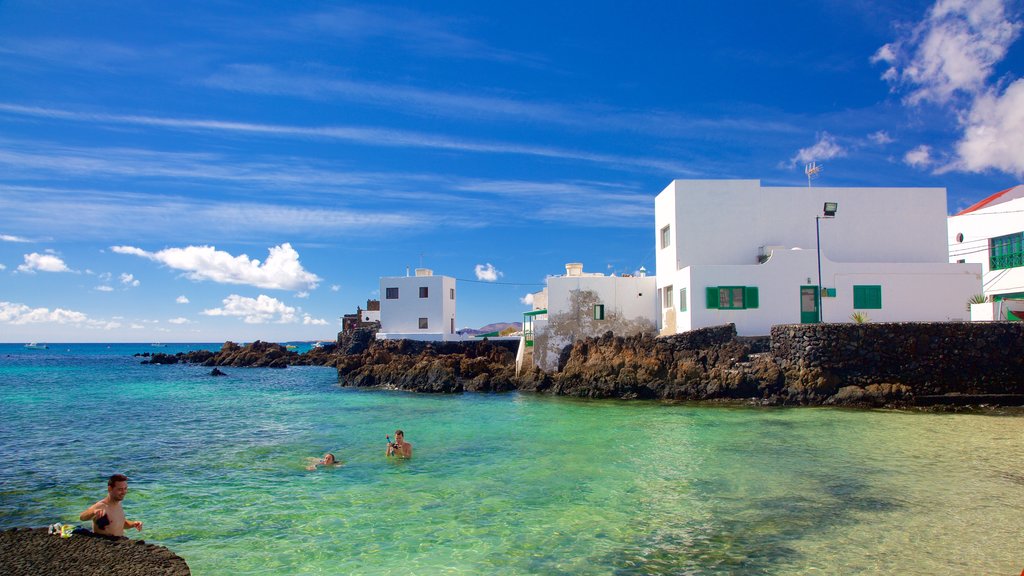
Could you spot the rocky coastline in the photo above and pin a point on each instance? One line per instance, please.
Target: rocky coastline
(873, 365)
(33, 551)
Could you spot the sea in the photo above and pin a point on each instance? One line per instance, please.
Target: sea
(499, 483)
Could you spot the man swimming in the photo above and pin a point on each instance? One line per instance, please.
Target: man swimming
(399, 447)
(107, 515)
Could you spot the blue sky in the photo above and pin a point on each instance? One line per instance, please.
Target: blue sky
(204, 171)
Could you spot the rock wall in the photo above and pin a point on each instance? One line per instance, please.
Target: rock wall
(897, 363)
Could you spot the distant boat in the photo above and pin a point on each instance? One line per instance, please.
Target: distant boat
(291, 347)
(36, 346)
(158, 345)
(319, 344)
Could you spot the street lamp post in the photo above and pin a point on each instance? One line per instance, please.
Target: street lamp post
(829, 211)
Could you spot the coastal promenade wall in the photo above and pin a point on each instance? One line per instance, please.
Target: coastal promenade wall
(916, 362)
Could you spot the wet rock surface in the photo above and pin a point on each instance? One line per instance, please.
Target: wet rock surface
(32, 551)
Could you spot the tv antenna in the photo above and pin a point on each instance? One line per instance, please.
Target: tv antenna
(812, 170)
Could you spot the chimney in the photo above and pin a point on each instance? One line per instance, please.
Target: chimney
(574, 269)
(424, 272)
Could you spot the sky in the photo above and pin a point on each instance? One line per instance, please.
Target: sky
(210, 171)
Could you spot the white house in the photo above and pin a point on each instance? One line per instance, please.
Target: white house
(420, 307)
(991, 234)
(735, 251)
(582, 304)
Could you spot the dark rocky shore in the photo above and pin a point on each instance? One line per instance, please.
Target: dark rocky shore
(32, 551)
(865, 365)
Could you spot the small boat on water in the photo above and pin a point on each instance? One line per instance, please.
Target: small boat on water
(158, 345)
(291, 347)
(36, 346)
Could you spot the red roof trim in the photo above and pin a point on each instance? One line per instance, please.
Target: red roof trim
(984, 203)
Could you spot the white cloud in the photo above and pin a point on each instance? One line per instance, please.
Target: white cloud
(3, 267)
(994, 133)
(487, 272)
(254, 310)
(14, 313)
(181, 299)
(43, 263)
(528, 299)
(881, 138)
(825, 148)
(9, 238)
(136, 326)
(920, 157)
(335, 287)
(179, 320)
(302, 294)
(104, 288)
(281, 270)
(129, 280)
(952, 51)
(307, 319)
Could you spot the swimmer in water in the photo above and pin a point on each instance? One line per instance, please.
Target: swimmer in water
(327, 460)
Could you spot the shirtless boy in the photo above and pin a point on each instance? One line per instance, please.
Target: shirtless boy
(107, 515)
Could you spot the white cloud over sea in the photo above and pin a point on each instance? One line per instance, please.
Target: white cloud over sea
(280, 271)
(259, 310)
(19, 314)
(43, 263)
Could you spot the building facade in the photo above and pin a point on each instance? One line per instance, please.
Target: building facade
(420, 307)
(991, 234)
(581, 304)
(733, 251)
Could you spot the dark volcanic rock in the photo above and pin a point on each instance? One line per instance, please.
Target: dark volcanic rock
(217, 372)
(437, 367)
(31, 551)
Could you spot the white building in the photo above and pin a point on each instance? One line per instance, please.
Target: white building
(991, 233)
(420, 307)
(581, 304)
(733, 251)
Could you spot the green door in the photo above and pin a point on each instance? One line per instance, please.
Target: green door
(808, 304)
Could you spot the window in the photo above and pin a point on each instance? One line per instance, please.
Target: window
(682, 299)
(423, 323)
(598, 311)
(1006, 251)
(732, 297)
(666, 236)
(391, 294)
(451, 293)
(667, 297)
(424, 291)
(867, 297)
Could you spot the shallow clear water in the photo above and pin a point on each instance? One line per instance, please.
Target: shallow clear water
(510, 484)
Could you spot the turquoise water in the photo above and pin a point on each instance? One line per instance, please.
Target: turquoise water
(500, 484)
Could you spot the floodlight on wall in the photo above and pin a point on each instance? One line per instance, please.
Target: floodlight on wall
(829, 212)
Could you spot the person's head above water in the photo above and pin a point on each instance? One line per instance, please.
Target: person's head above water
(399, 435)
(329, 458)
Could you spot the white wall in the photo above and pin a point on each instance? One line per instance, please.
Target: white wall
(726, 221)
(910, 292)
(631, 297)
(399, 317)
(968, 239)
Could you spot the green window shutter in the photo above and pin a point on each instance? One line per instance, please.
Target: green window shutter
(712, 297)
(682, 299)
(867, 297)
(750, 297)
